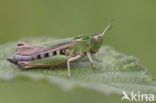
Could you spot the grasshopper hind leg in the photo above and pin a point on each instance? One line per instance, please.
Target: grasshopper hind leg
(53, 62)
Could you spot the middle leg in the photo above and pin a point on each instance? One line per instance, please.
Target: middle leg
(70, 60)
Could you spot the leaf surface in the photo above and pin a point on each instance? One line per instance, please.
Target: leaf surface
(116, 73)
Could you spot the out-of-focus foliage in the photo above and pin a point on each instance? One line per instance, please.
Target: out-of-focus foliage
(117, 72)
(133, 33)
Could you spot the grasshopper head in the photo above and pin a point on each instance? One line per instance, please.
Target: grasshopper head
(96, 39)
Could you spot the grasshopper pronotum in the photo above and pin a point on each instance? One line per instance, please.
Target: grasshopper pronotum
(50, 54)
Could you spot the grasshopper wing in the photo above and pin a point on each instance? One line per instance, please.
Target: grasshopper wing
(30, 50)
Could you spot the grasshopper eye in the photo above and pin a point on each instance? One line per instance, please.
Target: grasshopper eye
(96, 38)
(100, 36)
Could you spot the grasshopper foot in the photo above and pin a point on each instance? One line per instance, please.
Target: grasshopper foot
(93, 67)
(97, 59)
(68, 77)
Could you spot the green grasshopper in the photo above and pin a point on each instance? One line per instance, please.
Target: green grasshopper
(58, 53)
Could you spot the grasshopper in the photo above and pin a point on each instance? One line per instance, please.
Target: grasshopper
(58, 53)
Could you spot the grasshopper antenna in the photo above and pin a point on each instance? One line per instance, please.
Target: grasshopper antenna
(107, 28)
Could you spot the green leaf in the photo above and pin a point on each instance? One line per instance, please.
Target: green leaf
(116, 73)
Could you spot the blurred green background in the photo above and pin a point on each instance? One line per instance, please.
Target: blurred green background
(133, 30)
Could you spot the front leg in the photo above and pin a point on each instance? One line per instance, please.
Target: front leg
(91, 61)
